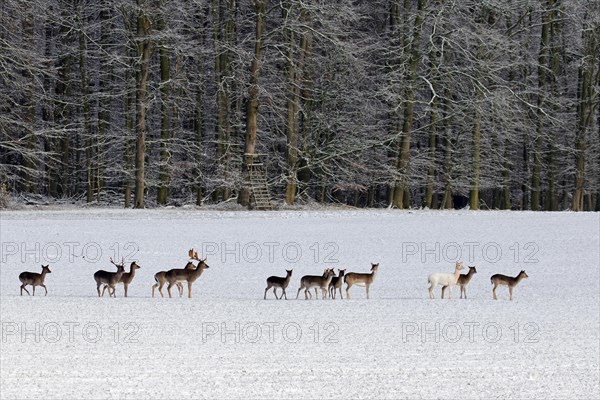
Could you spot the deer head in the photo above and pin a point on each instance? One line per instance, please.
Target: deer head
(46, 268)
(134, 265)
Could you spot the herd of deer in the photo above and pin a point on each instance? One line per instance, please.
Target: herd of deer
(328, 282)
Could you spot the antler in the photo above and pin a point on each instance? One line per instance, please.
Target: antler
(193, 254)
(117, 265)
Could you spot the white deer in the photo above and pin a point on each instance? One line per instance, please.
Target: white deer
(445, 279)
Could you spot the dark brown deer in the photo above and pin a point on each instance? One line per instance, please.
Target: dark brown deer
(279, 282)
(34, 279)
(336, 284)
(503, 280)
(186, 275)
(109, 279)
(463, 281)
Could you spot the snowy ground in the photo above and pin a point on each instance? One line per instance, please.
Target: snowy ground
(227, 342)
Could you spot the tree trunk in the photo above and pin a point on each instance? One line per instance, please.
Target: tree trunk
(223, 125)
(429, 190)
(253, 103)
(540, 113)
(165, 131)
(587, 101)
(143, 32)
(293, 94)
(476, 149)
(401, 187)
(87, 137)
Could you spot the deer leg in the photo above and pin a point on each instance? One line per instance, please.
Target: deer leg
(169, 289)
(431, 286)
(283, 294)
(265, 296)
(33, 289)
(316, 294)
(443, 291)
(160, 290)
(340, 289)
(98, 288)
(450, 292)
(25, 289)
(275, 293)
(189, 290)
(104, 290)
(510, 292)
(494, 292)
(180, 288)
(367, 287)
(153, 288)
(347, 291)
(46, 289)
(306, 293)
(125, 288)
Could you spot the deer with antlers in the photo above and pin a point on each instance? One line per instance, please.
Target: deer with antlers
(109, 279)
(186, 275)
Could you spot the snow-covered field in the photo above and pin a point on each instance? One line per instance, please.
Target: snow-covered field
(227, 342)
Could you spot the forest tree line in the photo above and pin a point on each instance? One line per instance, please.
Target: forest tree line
(412, 103)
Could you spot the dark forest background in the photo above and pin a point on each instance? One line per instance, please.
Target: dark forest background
(439, 104)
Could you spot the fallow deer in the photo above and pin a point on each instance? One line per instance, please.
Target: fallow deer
(463, 281)
(499, 279)
(360, 279)
(316, 281)
(336, 284)
(188, 275)
(444, 279)
(109, 279)
(161, 278)
(127, 277)
(34, 279)
(278, 282)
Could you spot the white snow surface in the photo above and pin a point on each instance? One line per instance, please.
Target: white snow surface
(227, 342)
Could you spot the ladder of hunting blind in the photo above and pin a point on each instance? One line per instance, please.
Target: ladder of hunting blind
(260, 197)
